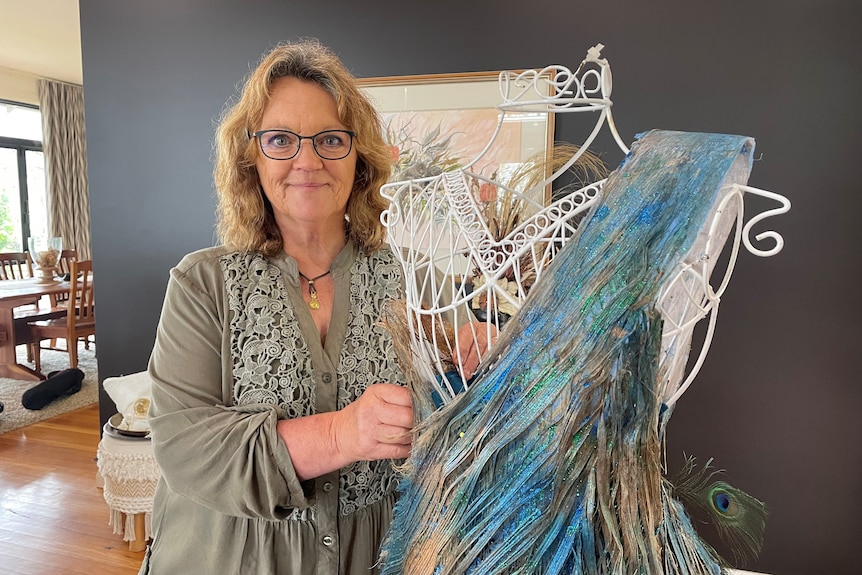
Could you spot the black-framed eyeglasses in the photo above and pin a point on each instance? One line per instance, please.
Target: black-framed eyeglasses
(284, 144)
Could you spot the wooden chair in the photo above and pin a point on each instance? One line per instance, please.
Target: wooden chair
(64, 264)
(15, 265)
(79, 322)
(61, 300)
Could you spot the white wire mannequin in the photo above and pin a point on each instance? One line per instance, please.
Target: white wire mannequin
(438, 229)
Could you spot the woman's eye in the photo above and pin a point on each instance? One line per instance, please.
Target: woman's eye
(331, 140)
(280, 140)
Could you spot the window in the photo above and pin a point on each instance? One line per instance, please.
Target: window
(23, 194)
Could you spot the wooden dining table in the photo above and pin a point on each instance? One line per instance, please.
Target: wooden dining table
(13, 294)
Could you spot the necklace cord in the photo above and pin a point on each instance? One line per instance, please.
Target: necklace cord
(312, 291)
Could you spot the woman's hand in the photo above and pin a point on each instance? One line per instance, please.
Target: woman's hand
(377, 425)
(474, 341)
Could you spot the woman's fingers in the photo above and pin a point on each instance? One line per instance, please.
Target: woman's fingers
(393, 451)
(391, 393)
(391, 405)
(378, 424)
(394, 435)
(474, 341)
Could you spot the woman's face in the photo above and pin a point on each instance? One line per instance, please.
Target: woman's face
(306, 188)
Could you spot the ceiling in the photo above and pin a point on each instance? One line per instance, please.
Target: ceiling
(41, 38)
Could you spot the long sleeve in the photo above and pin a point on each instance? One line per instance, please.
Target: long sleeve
(229, 459)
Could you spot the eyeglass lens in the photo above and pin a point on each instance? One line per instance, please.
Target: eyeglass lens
(284, 144)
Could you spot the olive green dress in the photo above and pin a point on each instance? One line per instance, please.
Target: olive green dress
(236, 350)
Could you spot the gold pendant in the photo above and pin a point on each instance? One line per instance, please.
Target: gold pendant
(312, 292)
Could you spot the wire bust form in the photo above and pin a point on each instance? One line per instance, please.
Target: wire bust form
(444, 233)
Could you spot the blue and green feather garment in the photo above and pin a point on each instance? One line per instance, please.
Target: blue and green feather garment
(551, 461)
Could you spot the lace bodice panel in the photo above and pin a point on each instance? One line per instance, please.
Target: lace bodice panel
(272, 362)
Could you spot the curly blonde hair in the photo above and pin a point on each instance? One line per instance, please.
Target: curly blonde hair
(245, 217)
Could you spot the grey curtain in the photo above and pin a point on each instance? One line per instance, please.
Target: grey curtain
(65, 149)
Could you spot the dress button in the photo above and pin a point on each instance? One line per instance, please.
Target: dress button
(327, 487)
(327, 540)
(327, 377)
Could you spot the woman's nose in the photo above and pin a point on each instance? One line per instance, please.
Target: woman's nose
(307, 157)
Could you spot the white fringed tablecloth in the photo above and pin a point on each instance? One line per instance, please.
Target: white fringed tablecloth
(130, 473)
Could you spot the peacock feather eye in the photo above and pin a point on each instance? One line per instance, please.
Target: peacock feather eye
(723, 501)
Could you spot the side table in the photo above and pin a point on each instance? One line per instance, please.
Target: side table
(130, 474)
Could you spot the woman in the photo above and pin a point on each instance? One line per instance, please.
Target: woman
(278, 404)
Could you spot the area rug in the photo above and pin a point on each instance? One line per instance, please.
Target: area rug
(15, 415)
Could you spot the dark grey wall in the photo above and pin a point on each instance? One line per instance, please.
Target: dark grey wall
(777, 403)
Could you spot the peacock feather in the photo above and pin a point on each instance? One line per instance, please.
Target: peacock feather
(738, 518)
(551, 461)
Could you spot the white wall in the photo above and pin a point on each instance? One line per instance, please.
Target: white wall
(18, 87)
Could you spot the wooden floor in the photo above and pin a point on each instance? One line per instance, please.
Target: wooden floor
(53, 518)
